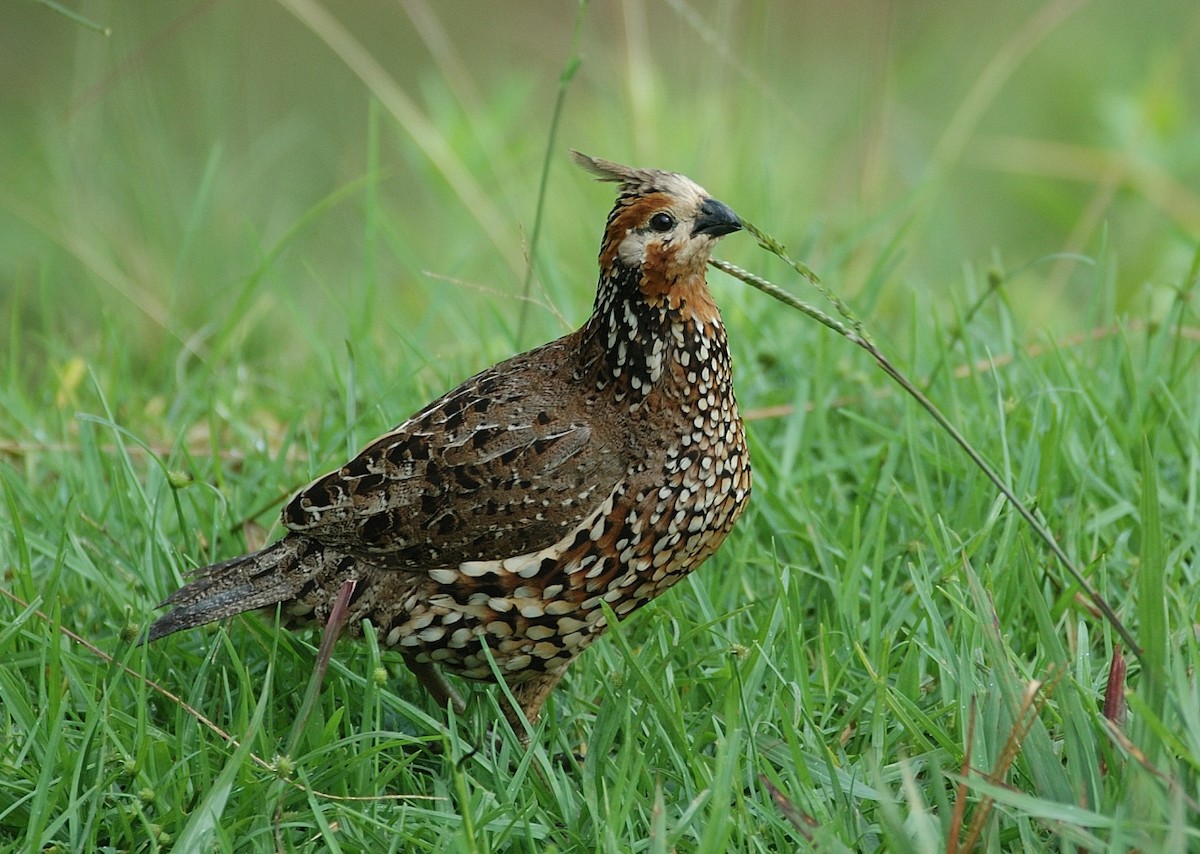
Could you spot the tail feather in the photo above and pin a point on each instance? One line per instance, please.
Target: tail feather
(268, 577)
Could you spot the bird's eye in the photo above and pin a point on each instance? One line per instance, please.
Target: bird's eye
(662, 222)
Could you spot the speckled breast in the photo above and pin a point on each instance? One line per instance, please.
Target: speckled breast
(536, 612)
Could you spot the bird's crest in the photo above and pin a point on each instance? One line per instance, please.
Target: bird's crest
(633, 181)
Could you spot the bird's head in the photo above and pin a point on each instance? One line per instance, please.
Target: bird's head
(661, 232)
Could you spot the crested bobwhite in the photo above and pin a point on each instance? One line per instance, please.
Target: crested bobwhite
(601, 467)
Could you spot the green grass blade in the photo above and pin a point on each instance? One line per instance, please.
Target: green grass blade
(205, 821)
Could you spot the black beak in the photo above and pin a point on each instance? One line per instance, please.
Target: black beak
(716, 218)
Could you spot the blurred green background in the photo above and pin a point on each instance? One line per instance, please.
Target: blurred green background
(323, 173)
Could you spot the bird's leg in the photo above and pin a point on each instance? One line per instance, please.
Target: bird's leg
(435, 683)
(530, 696)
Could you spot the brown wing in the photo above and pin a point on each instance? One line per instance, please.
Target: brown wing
(497, 467)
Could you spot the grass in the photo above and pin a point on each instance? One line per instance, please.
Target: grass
(214, 292)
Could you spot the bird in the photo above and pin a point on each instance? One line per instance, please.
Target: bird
(484, 533)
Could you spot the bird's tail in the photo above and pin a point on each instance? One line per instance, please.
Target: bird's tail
(278, 573)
